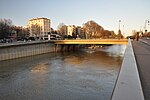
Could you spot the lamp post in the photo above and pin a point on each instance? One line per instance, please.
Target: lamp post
(119, 24)
(119, 31)
(146, 22)
(123, 31)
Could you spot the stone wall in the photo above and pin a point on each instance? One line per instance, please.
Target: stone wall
(11, 51)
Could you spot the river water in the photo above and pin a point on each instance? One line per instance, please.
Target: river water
(80, 75)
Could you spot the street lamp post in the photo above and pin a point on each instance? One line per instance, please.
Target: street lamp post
(123, 31)
(119, 31)
(119, 24)
(146, 22)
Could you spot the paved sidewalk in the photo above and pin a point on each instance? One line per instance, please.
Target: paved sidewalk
(142, 54)
(145, 40)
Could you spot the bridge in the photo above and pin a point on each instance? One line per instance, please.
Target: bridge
(128, 84)
(67, 45)
(91, 41)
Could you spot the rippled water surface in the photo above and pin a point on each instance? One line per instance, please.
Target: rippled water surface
(81, 75)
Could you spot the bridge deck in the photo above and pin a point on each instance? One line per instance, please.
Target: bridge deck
(91, 41)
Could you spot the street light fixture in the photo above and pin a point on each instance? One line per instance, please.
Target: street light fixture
(119, 31)
(123, 31)
(119, 24)
(147, 22)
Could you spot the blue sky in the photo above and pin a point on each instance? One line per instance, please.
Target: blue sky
(107, 13)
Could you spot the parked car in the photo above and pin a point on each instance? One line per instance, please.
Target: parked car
(55, 37)
(31, 38)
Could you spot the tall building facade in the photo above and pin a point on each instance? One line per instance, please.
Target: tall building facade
(39, 27)
(80, 32)
(71, 29)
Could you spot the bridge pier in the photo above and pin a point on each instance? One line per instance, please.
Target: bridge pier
(74, 47)
(66, 47)
(56, 48)
(62, 48)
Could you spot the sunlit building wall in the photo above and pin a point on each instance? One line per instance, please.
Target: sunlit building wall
(39, 27)
(71, 29)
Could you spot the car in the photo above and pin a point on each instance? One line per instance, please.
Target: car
(131, 37)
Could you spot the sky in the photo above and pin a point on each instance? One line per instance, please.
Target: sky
(107, 13)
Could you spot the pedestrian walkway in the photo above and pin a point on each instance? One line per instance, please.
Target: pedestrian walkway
(142, 54)
(145, 40)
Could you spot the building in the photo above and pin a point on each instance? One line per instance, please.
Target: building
(80, 32)
(39, 27)
(71, 29)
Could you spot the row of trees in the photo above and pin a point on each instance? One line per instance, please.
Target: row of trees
(91, 30)
(8, 30)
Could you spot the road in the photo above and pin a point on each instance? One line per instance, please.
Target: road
(142, 55)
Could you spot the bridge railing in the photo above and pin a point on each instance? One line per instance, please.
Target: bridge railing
(91, 41)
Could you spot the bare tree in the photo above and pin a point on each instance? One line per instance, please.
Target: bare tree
(108, 34)
(113, 35)
(35, 29)
(93, 29)
(62, 28)
(5, 28)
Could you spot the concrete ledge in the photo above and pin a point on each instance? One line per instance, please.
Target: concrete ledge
(128, 85)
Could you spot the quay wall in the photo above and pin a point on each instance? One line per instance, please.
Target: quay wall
(128, 84)
(17, 50)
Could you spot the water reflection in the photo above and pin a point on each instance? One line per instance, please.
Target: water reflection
(65, 76)
(42, 67)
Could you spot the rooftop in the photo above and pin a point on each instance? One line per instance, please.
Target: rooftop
(38, 18)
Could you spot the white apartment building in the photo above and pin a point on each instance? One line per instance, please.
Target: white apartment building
(71, 29)
(39, 27)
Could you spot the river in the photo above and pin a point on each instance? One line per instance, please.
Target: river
(80, 75)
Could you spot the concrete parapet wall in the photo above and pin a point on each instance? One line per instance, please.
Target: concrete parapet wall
(11, 51)
(128, 85)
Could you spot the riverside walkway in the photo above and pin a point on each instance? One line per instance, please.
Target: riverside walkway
(142, 55)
